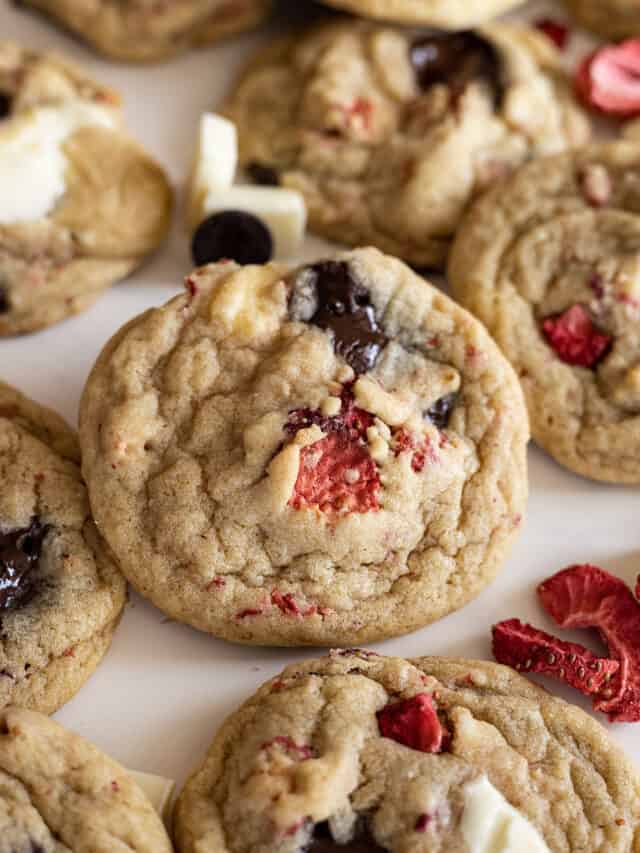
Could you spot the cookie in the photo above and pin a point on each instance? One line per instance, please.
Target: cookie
(82, 203)
(61, 594)
(306, 456)
(447, 14)
(147, 31)
(383, 754)
(388, 133)
(59, 793)
(550, 262)
(614, 19)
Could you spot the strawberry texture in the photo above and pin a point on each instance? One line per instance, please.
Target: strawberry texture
(608, 80)
(574, 338)
(413, 723)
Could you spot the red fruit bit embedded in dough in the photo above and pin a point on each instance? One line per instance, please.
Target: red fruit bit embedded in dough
(301, 752)
(413, 723)
(608, 80)
(336, 474)
(557, 31)
(527, 649)
(588, 597)
(574, 338)
(423, 452)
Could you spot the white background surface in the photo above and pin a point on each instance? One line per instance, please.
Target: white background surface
(163, 689)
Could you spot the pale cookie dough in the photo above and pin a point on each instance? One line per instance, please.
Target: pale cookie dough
(614, 19)
(448, 14)
(61, 594)
(303, 765)
(148, 30)
(60, 794)
(306, 456)
(339, 113)
(565, 232)
(82, 203)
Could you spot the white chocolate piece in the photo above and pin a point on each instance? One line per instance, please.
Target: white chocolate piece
(283, 212)
(32, 160)
(158, 790)
(491, 825)
(214, 164)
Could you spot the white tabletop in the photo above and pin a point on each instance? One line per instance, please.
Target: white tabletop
(163, 689)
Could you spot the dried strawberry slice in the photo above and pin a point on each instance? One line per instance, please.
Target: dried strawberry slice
(413, 723)
(556, 30)
(337, 473)
(588, 597)
(528, 649)
(574, 337)
(608, 80)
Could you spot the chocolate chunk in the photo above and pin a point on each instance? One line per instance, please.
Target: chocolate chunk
(5, 306)
(235, 235)
(19, 555)
(440, 413)
(5, 104)
(362, 842)
(261, 173)
(457, 59)
(343, 307)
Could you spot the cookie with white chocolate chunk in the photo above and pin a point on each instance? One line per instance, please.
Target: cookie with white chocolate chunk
(368, 754)
(81, 205)
(306, 456)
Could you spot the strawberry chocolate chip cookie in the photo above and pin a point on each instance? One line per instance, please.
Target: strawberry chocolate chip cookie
(550, 262)
(388, 133)
(61, 594)
(358, 752)
(305, 456)
(148, 30)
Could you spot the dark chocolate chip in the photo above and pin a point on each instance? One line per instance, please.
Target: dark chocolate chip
(5, 305)
(261, 173)
(322, 841)
(457, 59)
(5, 104)
(343, 307)
(440, 413)
(232, 234)
(19, 555)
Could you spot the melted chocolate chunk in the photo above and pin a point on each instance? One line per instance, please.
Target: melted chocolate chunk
(5, 306)
(440, 413)
(457, 59)
(19, 555)
(5, 104)
(344, 308)
(323, 842)
(261, 173)
(233, 234)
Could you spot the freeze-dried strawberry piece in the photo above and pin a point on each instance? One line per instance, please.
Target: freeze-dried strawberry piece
(638, 588)
(588, 597)
(574, 337)
(608, 80)
(413, 723)
(528, 649)
(337, 473)
(423, 451)
(556, 30)
(301, 752)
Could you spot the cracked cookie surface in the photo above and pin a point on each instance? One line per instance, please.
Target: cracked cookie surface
(550, 262)
(106, 204)
(61, 594)
(145, 30)
(304, 765)
(388, 133)
(306, 456)
(615, 19)
(448, 14)
(60, 794)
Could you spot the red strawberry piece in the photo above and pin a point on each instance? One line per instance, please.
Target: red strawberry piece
(301, 752)
(608, 80)
(337, 473)
(527, 649)
(557, 31)
(638, 588)
(588, 597)
(413, 723)
(423, 452)
(574, 338)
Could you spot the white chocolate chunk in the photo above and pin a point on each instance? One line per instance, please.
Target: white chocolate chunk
(32, 161)
(158, 790)
(249, 303)
(283, 474)
(214, 164)
(331, 407)
(283, 212)
(491, 825)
